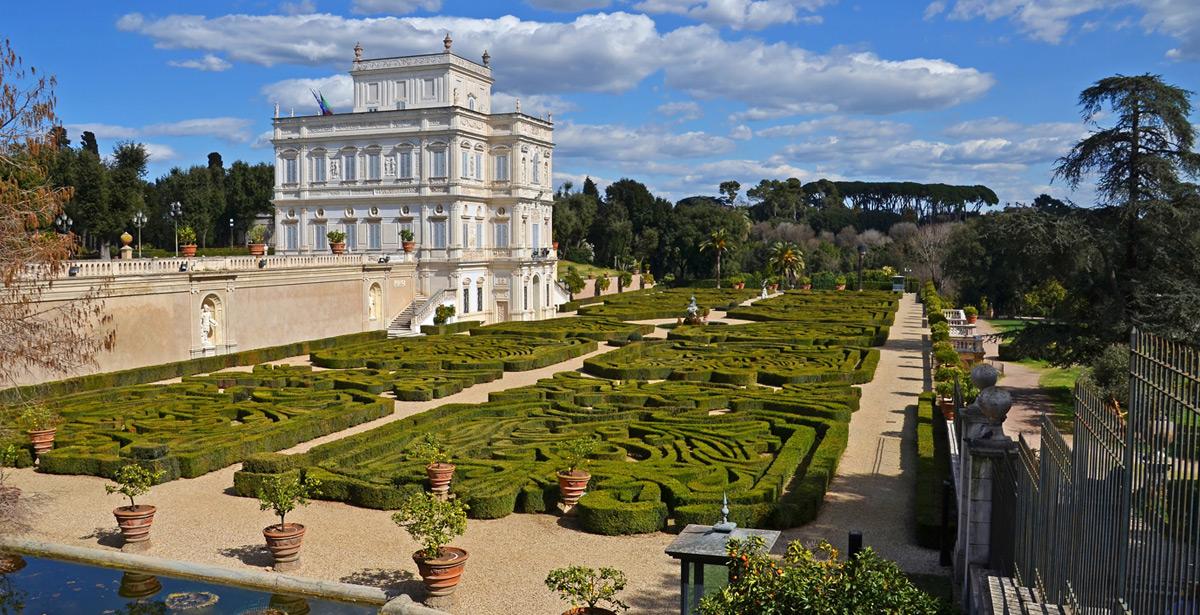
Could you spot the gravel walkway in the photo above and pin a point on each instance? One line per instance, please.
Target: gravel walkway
(1030, 402)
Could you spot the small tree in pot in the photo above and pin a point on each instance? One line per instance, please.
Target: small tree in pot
(840, 282)
(257, 238)
(585, 588)
(440, 471)
(282, 494)
(187, 241)
(41, 423)
(573, 479)
(337, 241)
(434, 522)
(406, 240)
(133, 481)
(972, 313)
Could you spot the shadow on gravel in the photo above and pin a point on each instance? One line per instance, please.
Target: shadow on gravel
(661, 596)
(251, 555)
(393, 582)
(106, 537)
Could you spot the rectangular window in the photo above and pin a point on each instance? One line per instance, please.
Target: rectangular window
(478, 234)
(319, 169)
(374, 235)
(372, 166)
(466, 239)
(289, 171)
(537, 171)
(466, 300)
(501, 170)
(406, 165)
(478, 166)
(462, 169)
(401, 94)
(439, 164)
(372, 92)
(429, 89)
(439, 233)
(537, 235)
(349, 172)
(320, 242)
(479, 298)
(293, 238)
(351, 236)
(501, 234)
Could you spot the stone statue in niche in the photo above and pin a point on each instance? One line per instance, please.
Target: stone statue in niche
(389, 166)
(333, 169)
(208, 326)
(372, 313)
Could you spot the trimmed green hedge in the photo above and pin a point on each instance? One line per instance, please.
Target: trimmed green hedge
(933, 466)
(452, 328)
(665, 303)
(451, 352)
(599, 329)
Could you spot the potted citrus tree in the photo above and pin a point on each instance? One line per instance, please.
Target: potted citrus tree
(187, 241)
(805, 282)
(440, 471)
(282, 494)
(434, 522)
(573, 479)
(737, 281)
(337, 241)
(257, 238)
(133, 481)
(406, 240)
(972, 314)
(584, 588)
(41, 423)
(840, 282)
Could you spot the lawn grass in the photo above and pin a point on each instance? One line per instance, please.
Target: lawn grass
(1006, 325)
(585, 269)
(1059, 385)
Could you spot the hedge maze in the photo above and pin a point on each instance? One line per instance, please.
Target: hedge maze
(667, 449)
(665, 303)
(599, 329)
(505, 352)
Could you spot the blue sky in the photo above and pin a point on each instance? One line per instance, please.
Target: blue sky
(680, 94)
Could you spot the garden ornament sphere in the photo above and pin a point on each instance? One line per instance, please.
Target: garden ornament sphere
(994, 404)
(984, 376)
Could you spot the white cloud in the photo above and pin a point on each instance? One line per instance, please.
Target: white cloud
(230, 129)
(159, 152)
(741, 132)
(209, 63)
(537, 105)
(593, 53)
(842, 125)
(296, 94)
(738, 14)
(102, 131)
(568, 6)
(395, 7)
(643, 146)
(683, 110)
(299, 7)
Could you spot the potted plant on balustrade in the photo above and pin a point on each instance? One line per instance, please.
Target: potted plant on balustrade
(406, 240)
(337, 241)
(133, 481)
(187, 241)
(840, 282)
(257, 238)
(573, 479)
(41, 423)
(805, 282)
(584, 588)
(972, 314)
(432, 449)
(282, 493)
(434, 522)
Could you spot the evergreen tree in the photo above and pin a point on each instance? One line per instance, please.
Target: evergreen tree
(590, 189)
(89, 143)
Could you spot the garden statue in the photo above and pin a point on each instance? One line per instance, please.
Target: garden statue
(764, 290)
(208, 326)
(693, 313)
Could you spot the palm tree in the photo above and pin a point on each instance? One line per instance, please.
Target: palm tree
(788, 260)
(717, 242)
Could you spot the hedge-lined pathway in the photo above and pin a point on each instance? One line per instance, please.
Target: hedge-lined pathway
(873, 489)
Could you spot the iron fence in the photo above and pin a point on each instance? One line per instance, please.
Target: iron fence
(1107, 519)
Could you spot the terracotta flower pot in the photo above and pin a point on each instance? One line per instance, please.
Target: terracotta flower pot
(409, 246)
(589, 610)
(42, 439)
(971, 319)
(555, 244)
(806, 287)
(338, 248)
(135, 521)
(258, 249)
(188, 250)
(739, 285)
(284, 543)
(772, 287)
(841, 287)
(441, 574)
(572, 485)
(440, 475)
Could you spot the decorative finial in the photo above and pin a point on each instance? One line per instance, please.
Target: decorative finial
(487, 58)
(725, 526)
(358, 52)
(447, 42)
(518, 105)
(549, 117)
(276, 109)
(293, 112)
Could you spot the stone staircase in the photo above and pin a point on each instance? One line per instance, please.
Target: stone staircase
(402, 325)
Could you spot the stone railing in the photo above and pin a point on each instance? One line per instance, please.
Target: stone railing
(159, 266)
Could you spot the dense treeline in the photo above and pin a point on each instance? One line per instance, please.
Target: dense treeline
(109, 192)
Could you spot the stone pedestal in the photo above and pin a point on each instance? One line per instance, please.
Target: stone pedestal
(126, 253)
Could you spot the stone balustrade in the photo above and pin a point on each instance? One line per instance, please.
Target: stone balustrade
(158, 266)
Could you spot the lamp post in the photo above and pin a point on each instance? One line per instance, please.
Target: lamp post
(139, 220)
(231, 232)
(862, 249)
(63, 223)
(175, 211)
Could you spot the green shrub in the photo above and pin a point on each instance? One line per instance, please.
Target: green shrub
(601, 513)
(133, 480)
(585, 587)
(283, 494)
(933, 466)
(431, 521)
(442, 314)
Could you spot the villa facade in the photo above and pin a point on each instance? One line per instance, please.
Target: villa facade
(421, 151)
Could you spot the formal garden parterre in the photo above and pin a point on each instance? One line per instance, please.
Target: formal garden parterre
(507, 352)
(666, 303)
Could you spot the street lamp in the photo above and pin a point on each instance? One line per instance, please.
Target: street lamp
(139, 220)
(175, 211)
(862, 249)
(63, 223)
(231, 232)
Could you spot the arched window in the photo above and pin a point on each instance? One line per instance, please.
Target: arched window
(471, 101)
(537, 169)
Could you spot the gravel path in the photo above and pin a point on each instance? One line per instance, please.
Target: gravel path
(873, 489)
(1030, 402)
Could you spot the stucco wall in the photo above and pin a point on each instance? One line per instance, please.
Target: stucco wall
(157, 316)
(589, 287)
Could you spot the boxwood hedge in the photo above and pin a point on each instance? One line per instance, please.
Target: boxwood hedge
(505, 352)
(599, 329)
(665, 303)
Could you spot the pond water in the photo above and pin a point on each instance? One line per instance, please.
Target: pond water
(36, 586)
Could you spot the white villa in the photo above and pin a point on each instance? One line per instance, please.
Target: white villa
(422, 151)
